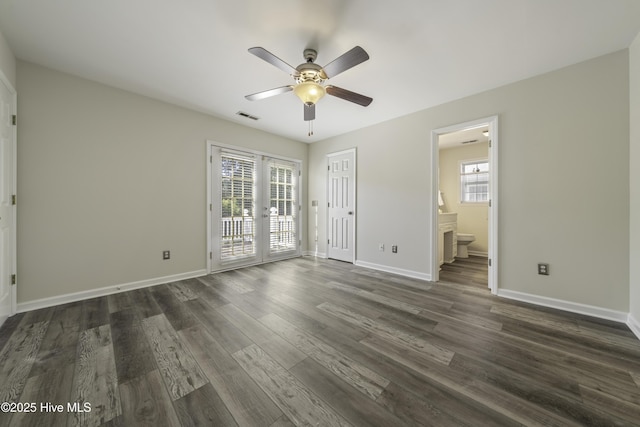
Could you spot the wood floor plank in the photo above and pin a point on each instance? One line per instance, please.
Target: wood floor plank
(283, 421)
(353, 406)
(145, 402)
(248, 404)
(496, 401)
(227, 281)
(144, 303)
(207, 293)
(203, 407)
(636, 377)
(437, 353)
(326, 319)
(173, 309)
(95, 312)
(180, 371)
(438, 409)
(120, 301)
(606, 405)
(568, 406)
(294, 399)
(37, 316)
(133, 355)
(220, 328)
(8, 327)
(532, 316)
(242, 301)
(17, 357)
(391, 302)
(95, 379)
(60, 342)
(514, 355)
(52, 385)
(183, 291)
(358, 376)
(280, 350)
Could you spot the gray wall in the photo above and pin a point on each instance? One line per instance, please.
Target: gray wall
(107, 180)
(634, 252)
(564, 182)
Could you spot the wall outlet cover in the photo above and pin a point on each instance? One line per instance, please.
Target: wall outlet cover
(543, 269)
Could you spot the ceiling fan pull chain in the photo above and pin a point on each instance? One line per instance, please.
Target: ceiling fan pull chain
(310, 128)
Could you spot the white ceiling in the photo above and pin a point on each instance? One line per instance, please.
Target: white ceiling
(459, 138)
(423, 52)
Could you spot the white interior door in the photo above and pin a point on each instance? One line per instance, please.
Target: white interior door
(7, 206)
(254, 208)
(341, 206)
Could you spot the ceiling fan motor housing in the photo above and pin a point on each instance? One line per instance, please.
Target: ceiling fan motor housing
(310, 72)
(310, 55)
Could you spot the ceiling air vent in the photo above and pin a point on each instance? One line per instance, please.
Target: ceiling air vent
(248, 116)
(469, 142)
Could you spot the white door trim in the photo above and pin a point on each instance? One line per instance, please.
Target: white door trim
(355, 200)
(492, 123)
(13, 265)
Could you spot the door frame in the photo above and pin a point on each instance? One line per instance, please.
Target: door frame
(13, 264)
(492, 123)
(355, 200)
(210, 146)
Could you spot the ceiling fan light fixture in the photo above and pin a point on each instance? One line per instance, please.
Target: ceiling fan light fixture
(309, 92)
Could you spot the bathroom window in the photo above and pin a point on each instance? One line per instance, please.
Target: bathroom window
(474, 181)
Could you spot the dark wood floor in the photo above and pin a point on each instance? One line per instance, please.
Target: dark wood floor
(317, 342)
(472, 271)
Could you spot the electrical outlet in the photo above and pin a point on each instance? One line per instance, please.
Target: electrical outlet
(543, 269)
(381, 247)
(166, 254)
(394, 249)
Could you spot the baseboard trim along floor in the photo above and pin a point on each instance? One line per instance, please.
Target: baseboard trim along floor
(107, 290)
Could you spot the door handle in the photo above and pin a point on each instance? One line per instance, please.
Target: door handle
(350, 212)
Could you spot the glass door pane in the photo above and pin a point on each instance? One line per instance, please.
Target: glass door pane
(283, 207)
(237, 207)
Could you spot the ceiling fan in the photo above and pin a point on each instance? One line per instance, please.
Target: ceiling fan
(309, 78)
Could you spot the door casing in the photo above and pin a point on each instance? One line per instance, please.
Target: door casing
(10, 174)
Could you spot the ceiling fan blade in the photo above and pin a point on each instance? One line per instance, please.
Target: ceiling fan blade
(349, 96)
(309, 112)
(348, 60)
(273, 60)
(267, 93)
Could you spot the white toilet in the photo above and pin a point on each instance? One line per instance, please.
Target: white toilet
(463, 241)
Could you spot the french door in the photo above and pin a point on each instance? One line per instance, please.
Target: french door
(254, 208)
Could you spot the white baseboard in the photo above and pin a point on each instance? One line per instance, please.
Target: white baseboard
(574, 307)
(634, 325)
(394, 270)
(477, 253)
(107, 290)
(315, 254)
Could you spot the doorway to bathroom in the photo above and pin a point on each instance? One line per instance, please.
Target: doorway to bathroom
(464, 204)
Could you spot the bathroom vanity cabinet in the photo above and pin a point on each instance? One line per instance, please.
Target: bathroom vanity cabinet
(447, 237)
